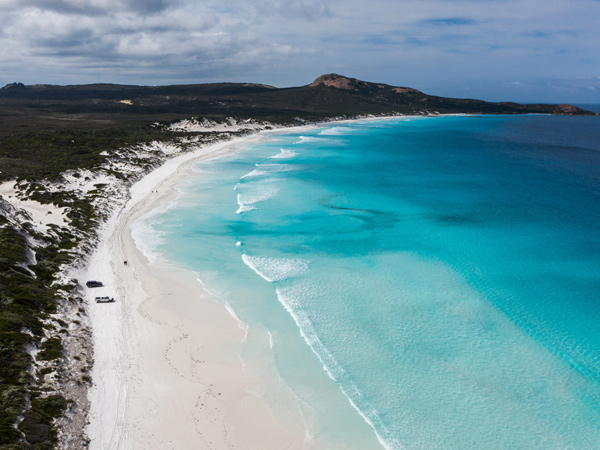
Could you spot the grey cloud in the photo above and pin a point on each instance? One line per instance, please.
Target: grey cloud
(550, 34)
(449, 21)
(99, 7)
(76, 39)
(149, 6)
(63, 7)
(295, 9)
(564, 90)
(581, 85)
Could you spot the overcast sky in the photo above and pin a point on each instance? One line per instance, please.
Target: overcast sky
(522, 50)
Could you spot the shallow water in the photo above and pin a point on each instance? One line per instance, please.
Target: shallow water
(443, 272)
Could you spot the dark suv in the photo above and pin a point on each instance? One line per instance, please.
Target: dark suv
(94, 284)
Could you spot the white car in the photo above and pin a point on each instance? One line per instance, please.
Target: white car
(104, 299)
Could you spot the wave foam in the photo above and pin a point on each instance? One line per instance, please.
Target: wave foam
(276, 269)
(304, 139)
(260, 192)
(292, 300)
(337, 131)
(148, 240)
(255, 173)
(277, 168)
(269, 169)
(284, 154)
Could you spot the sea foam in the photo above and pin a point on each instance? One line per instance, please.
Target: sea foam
(304, 139)
(337, 131)
(147, 238)
(269, 169)
(284, 154)
(276, 269)
(255, 173)
(292, 299)
(259, 192)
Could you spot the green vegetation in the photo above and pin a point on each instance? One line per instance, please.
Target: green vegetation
(17, 309)
(50, 407)
(27, 296)
(45, 153)
(37, 421)
(50, 350)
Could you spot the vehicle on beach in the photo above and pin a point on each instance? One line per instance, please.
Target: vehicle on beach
(93, 284)
(104, 299)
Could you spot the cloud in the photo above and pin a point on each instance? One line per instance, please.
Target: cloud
(294, 10)
(449, 21)
(93, 7)
(578, 85)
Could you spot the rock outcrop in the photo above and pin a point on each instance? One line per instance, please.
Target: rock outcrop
(16, 85)
(353, 84)
(337, 81)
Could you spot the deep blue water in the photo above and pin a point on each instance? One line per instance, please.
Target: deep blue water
(443, 272)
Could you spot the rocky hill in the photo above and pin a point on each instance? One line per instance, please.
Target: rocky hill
(329, 95)
(45, 129)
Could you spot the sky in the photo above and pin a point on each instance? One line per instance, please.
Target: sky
(496, 50)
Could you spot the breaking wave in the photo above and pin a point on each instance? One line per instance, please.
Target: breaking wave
(337, 131)
(247, 200)
(304, 139)
(284, 154)
(269, 169)
(292, 299)
(276, 269)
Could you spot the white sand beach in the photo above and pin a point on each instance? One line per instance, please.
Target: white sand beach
(166, 372)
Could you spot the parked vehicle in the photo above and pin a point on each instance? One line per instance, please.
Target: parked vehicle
(104, 299)
(93, 284)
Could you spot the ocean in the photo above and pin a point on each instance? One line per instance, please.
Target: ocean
(434, 279)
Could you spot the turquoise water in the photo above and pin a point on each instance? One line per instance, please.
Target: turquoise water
(440, 275)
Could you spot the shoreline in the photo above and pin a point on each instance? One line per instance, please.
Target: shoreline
(99, 334)
(145, 345)
(127, 364)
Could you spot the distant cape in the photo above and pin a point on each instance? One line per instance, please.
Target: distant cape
(330, 95)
